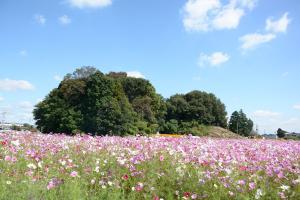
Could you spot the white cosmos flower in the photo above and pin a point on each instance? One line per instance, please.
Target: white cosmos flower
(284, 187)
(258, 194)
(31, 166)
(16, 142)
(97, 169)
(63, 163)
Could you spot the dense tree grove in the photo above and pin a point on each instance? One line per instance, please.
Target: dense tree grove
(240, 124)
(92, 102)
(281, 133)
(187, 112)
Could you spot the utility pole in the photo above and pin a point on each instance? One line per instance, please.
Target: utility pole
(3, 119)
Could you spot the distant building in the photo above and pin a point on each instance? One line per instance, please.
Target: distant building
(8, 126)
(269, 136)
(294, 134)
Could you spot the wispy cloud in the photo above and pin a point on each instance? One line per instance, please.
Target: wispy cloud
(266, 114)
(251, 41)
(25, 105)
(135, 74)
(272, 28)
(1, 99)
(89, 3)
(11, 85)
(40, 19)
(205, 15)
(214, 59)
(58, 78)
(291, 124)
(64, 20)
(297, 106)
(279, 26)
(20, 112)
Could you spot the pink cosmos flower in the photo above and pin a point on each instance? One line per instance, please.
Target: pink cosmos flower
(139, 187)
(74, 174)
(50, 185)
(252, 186)
(125, 177)
(156, 198)
(161, 158)
(280, 175)
(241, 182)
(54, 183)
(282, 195)
(7, 158)
(186, 194)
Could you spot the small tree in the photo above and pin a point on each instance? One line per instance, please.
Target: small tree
(281, 133)
(240, 124)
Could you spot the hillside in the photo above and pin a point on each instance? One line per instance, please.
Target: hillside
(210, 131)
(219, 132)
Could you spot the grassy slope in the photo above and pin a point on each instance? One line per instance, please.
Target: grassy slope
(215, 131)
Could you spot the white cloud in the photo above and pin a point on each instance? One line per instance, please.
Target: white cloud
(228, 18)
(25, 117)
(23, 53)
(205, 15)
(40, 19)
(135, 74)
(297, 106)
(269, 121)
(196, 14)
(26, 105)
(250, 41)
(89, 3)
(215, 59)
(279, 26)
(18, 113)
(292, 124)
(268, 126)
(266, 114)
(11, 85)
(1, 99)
(58, 78)
(64, 20)
(250, 4)
(39, 100)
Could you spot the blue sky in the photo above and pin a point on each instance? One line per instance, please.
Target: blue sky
(244, 51)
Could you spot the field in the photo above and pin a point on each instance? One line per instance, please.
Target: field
(36, 166)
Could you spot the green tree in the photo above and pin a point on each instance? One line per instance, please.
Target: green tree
(148, 105)
(54, 114)
(170, 126)
(240, 124)
(204, 108)
(89, 101)
(117, 74)
(281, 133)
(106, 109)
(82, 73)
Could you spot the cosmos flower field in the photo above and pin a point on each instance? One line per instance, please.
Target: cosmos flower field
(37, 166)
